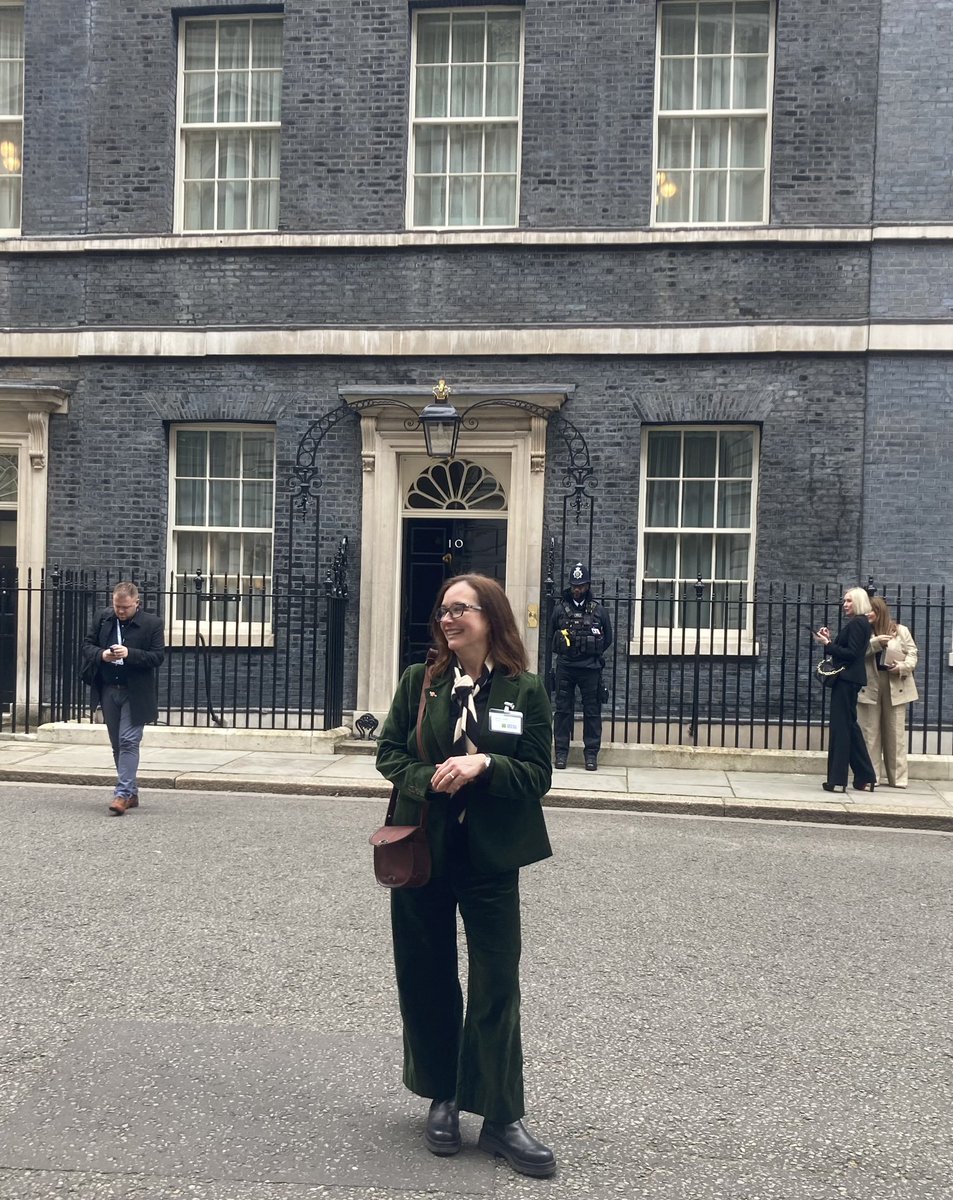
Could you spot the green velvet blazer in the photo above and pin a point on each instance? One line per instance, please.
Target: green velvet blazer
(506, 828)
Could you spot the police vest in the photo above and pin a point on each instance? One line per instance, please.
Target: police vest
(580, 632)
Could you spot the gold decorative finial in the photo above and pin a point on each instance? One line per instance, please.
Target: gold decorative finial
(442, 392)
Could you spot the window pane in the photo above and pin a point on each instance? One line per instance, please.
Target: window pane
(736, 454)
(464, 200)
(711, 189)
(678, 84)
(226, 550)
(9, 203)
(501, 149)
(747, 143)
(223, 502)
(499, 200)
(232, 96)
(190, 502)
(468, 39)
(698, 503)
(752, 23)
(665, 455)
(430, 150)
(466, 147)
(189, 552)
(200, 97)
(432, 94)
(233, 205)
(433, 39)
(714, 28)
(264, 206)
(11, 87)
(700, 454)
(466, 91)
(233, 45)
(734, 505)
(696, 555)
(266, 154)
(503, 37)
(662, 504)
(257, 505)
(714, 83)
(502, 91)
(711, 143)
(233, 155)
(678, 29)
(257, 548)
(746, 196)
(265, 95)
(266, 44)
(200, 154)
(258, 455)
(224, 455)
(673, 189)
(675, 144)
(200, 45)
(731, 556)
(199, 206)
(659, 562)
(751, 83)
(429, 201)
(658, 610)
(190, 451)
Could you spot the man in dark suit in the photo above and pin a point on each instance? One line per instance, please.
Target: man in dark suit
(121, 655)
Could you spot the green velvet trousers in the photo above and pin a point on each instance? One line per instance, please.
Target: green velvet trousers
(476, 1057)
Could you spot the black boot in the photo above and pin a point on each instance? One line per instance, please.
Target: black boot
(520, 1149)
(442, 1134)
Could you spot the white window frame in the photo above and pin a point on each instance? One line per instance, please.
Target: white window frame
(727, 114)
(15, 118)
(716, 641)
(243, 634)
(448, 120)
(182, 128)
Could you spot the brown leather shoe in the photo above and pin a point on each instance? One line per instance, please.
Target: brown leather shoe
(122, 804)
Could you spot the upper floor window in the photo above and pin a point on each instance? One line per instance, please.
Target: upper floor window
(713, 89)
(465, 118)
(229, 123)
(697, 519)
(11, 115)
(222, 523)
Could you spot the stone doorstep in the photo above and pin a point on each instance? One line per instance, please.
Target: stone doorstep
(176, 737)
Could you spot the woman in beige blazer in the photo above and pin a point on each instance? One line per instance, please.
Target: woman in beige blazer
(882, 703)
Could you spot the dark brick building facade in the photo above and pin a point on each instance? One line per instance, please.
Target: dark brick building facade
(826, 329)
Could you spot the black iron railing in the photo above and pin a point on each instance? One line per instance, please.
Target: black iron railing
(256, 653)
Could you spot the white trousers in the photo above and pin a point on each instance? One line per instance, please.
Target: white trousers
(884, 726)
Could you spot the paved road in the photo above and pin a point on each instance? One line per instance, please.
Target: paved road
(197, 1003)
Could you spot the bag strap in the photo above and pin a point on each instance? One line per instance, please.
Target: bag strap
(428, 675)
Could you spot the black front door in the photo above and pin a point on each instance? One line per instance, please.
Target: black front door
(435, 549)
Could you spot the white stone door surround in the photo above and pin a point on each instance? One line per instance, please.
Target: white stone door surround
(502, 430)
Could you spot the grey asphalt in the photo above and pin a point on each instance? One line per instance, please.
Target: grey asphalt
(671, 779)
(198, 1004)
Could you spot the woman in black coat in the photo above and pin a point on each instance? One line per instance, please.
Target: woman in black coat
(846, 745)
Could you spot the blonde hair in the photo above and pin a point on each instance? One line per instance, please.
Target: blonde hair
(883, 622)
(860, 601)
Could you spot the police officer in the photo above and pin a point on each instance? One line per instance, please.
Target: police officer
(580, 633)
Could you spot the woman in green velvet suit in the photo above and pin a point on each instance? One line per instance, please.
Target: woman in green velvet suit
(486, 733)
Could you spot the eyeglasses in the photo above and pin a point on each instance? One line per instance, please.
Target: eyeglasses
(455, 610)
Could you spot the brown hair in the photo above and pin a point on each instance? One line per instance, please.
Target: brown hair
(883, 622)
(505, 644)
(126, 589)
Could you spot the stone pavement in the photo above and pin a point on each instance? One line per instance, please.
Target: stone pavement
(772, 784)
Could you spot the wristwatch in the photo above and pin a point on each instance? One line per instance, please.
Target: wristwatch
(487, 763)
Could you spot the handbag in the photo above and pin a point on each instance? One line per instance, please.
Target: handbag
(827, 671)
(402, 852)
